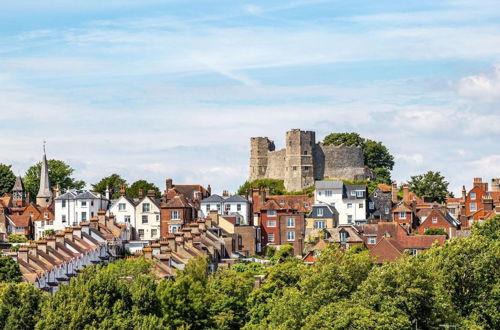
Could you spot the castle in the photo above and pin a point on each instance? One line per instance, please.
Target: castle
(303, 161)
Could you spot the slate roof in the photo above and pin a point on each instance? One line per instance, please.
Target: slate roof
(86, 195)
(236, 199)
(18, 185)
(348, 188)
(213, 199)
(328, 184)
(328, 211)
(67, 195)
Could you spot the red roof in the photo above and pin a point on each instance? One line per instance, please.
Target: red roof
(20, 220)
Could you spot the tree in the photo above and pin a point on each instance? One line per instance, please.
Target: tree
(9, 270)
(60, 174)
(435, 231)
(431, 184)
(376, 156)
(7, 179)
(13, 238)
(276, 187)
(114, 182)
(19, 305)
(50, 232)
(133, 190)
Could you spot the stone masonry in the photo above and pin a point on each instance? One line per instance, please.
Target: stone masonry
(303, 161)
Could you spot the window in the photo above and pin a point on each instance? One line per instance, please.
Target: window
(386, 210)
(270, 237)
(402, 215)
(434, 219)
(353, 193)
(63, 218)
(360, 205)
(306, 204)
(51, 222)
(372, 240)
(157, 218)
(227, 207)
(290, 236)
(145, 207)
(328, 193)
(238, 207)
(141, 233)
(43, 223)
(207, 208)
(349, 205)
(371, 205)
(295, 168)
(360, 193)
(349, 219)
(218, 207)
(343, 236)
(271, 223)
(31, 214)
(144, 219)
(45, 215)
(473, 196)
(282, 201)
(319, 224)
(175, 215)
(63, 203)
(91, 214)
(271, 213)
(320, 212)
(127, 219)
(83, 203)
(84, 216)
(473, 207)
(305, 152)
(290, 222)
(122, 206)
(154, 232)
(91, 203)
(173, 229)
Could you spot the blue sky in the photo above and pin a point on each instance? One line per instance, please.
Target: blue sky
(156, 89)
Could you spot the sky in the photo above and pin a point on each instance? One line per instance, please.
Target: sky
(175, 89)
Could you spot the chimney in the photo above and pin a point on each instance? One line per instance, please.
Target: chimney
(171, 242)
(163, 246)
(225, 193)
(148, 253)
(152, 193)
(108, 196)
(68, 234)
(60, 238)
(42, 246)
(122, 190)
(56, 191)
(209, 190)
(487, 203)
(141, 193)
(22, 253)
(464, 193)
(156, 247)
(406, 193)
(169, 184)
(77, 231)
(101, 216)
(33, 250)
(85, 227)
(394, 192)
(495, 184)
(94, 223)
(478, 182)
(51, 242)
(28, 197)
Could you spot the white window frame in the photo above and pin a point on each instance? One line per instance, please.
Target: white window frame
(144, 217)
(473, 196)
(371, 240)
(371, 205)
(175, 215)
(271, 223)
(328, 193)
(434, 219)
(270, 237)
(349, 205)
(271, 213)
(122, 209)
(319, 224)
(349, 219)
(290, 236)
(320, 212)
(290, 222)
(146, 207)
(473, 209)
(402, 215)
(360, 193)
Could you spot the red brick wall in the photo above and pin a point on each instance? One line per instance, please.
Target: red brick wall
(479, 195)
(185, 214)
(428, 224)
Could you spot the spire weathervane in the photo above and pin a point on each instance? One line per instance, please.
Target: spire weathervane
(44, 142)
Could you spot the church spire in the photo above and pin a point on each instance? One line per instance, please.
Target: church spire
(44, 196)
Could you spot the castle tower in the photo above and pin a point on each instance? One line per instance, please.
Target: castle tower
(259, 149)
(18, 194)
(44, 196)
(299, 166)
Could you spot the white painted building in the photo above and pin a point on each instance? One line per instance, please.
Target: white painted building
(235, 205)
(73, 207)
(348, 200)
(147, 215)
(123, 209)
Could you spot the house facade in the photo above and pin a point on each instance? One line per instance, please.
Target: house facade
(147, 215)
(74, 207)
(236, 205)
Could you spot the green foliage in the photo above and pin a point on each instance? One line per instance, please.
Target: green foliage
(270, 251)
(282, 254)
(249, 269)
(50, 232)
(20, 305)
(435, 231)
(114, 182)
(7, 179)
(431, 184)
(9, 270)
(59, 173)
(348, 139)
(133, 190)
(13, 238)
(276, 187)
(489, 229)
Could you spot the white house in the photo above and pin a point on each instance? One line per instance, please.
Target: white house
(147, 215)
(348, 200)
(75, 206)
(235, 205)
(123, 209)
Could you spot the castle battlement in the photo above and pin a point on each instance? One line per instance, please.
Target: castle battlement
(303, 160)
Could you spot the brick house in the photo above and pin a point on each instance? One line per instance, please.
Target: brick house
(176, 213)
(439, 220)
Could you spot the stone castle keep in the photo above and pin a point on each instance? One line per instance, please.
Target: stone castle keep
(303, 161)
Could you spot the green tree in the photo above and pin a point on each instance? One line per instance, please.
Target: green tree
(20, 305)
(9, 270)
(7, 179)
(50, 232)
(276, 187)
(348, 139)
(435, 231)
(431, 184)
(114, 182)
(60, 174)
(489, 229)
(13, 238)
(133, 190)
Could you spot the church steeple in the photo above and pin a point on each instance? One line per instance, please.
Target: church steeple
(44, 196)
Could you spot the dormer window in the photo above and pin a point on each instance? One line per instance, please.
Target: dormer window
(343, 236)
(320, 212)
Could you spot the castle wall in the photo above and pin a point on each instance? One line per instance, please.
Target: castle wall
(303, 161)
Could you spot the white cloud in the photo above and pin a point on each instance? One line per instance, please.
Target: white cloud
(410, 158)
(481, 87)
